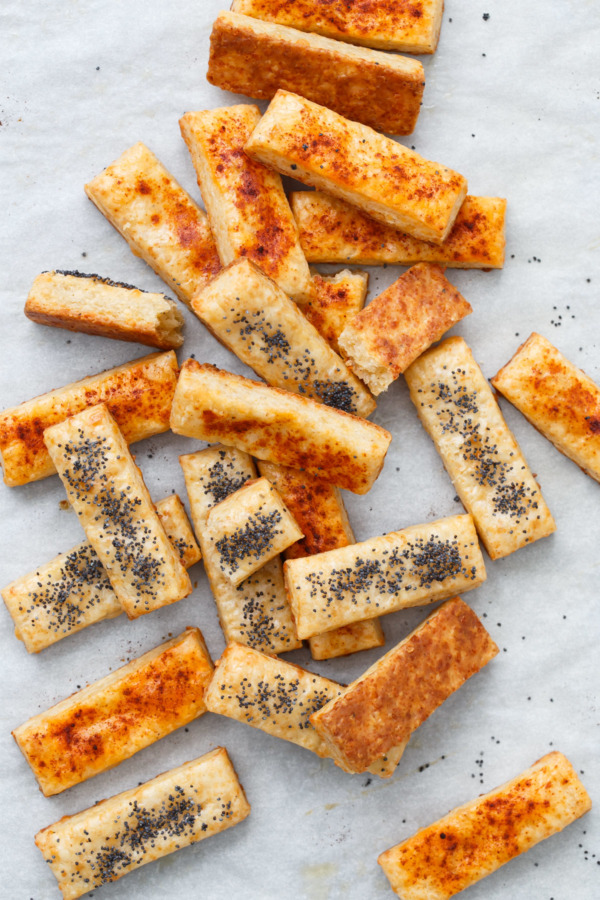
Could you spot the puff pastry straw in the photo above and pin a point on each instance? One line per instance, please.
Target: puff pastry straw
(334, 300)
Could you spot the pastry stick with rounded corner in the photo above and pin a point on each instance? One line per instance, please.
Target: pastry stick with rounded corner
(334, 300)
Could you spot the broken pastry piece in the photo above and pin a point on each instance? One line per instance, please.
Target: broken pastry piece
(334, 300)
(382, 340)
(474, 840)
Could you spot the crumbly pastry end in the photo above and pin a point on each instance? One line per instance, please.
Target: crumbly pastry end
(412, 567)
(116, 836)
(158, 219)
(214, 405)
(382, 340)
(351, 161)
(107, 491)
(249, 213)
(333, 231)
(110, 720)
(381, 90)
(459, 412)
(334, 300)
(477, 838)
(559, 399)
(251, 315)
(395, 695)
(138, 395)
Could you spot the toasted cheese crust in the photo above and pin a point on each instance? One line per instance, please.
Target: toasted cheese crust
(403, 688)
(138, 395)
(381, 90)
(560, 400)
(382, 340)
(404, 568)
(111, 719)
(332, 231)
(474, 840)
(381, 177)
(257, 321)
(158, 219)
(107, 491)
(213, 405)
(116, 836)
(334, 300)
(249, 214)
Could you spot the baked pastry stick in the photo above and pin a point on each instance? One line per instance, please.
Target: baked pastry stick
(158, 219)
(395, 695)
(477, 838)
(405, 568)
(382, 90)
(381, 341)
(411, 28)
(333, 231)
(253, 318)
(213, 405)
(111, 719)
(319, 510)
(256, 612)
(278, 698)
(73, 590)
(96, 305)
(107, 491)
(138, 395)
(118, 835)
(560, 400)
(334, 300)
(457, 409)
(381, 177)
(248, 211)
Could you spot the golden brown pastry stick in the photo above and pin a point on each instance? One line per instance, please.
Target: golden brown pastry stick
(334, 300)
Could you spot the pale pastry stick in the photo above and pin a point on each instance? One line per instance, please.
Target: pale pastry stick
(457, 409)
(381, 341)
(116, 836)
(319, 509)
(247, 208)
(381, 177)
(73, 590)
(412, 567)
(559, 399)
(158, 219)
(333, 231)
(107, 491)
(477, 838)
(138, 394)
(409, 27)
(111, 719)
(253, 318)
(96, 305)
(405, 686)
(256, 58)
(214, 405)
(334, 300)
(278, 697)
(257, 612)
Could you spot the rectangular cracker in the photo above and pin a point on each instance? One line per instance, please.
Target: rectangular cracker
(278, 697)
(334, 300)
(333, 231)
(213, 405)
(116, 836)
(138, 395)
(111, 719)
(381, 177)
(560, 400)
(256, 320)
(107, 491)
(405, 686)
(477, 838)
(257, 612)
(158, 219)
(405, 568)
(381, 90)
(459, 412)
(249, 213)
(381, 341)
